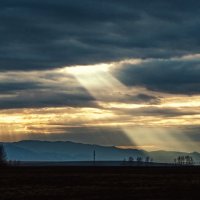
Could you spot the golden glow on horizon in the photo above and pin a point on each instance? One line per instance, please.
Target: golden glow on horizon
(47, 120)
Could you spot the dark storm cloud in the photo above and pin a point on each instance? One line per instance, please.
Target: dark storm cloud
(42, 90)
(37, 34)
(41, 99)
(10, 87)
(178, 76)
(143, 98)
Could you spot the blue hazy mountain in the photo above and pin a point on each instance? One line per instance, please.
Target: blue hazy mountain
(69, 151)
(64, 151)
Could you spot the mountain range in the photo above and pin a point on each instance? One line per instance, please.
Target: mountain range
(57, 151)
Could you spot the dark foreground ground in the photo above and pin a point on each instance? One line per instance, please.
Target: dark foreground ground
(81, 183)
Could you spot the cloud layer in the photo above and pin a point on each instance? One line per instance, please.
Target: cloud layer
(38, 35)
(42, 89)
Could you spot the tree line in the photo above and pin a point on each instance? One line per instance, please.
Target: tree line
(184, 160)
(139, 159)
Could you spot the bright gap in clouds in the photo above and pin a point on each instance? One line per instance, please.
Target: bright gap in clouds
(97, 80)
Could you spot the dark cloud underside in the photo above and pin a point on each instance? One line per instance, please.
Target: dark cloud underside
(45, 93)
(39, 99)
(177, 76)
(36, 35)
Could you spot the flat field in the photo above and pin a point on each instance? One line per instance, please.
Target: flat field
(83, 183)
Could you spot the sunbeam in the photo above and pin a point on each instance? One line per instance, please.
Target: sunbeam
(105, 88)
(98, 81)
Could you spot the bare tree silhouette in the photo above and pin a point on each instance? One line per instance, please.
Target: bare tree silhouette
(139, 159)
(3, 160)
(130, 159)
(147, 159)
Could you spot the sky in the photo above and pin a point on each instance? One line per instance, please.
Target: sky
(108, 72)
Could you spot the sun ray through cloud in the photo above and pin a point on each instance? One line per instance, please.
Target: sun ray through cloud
(102, 85)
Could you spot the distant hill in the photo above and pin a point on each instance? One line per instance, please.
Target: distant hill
(69, 151)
